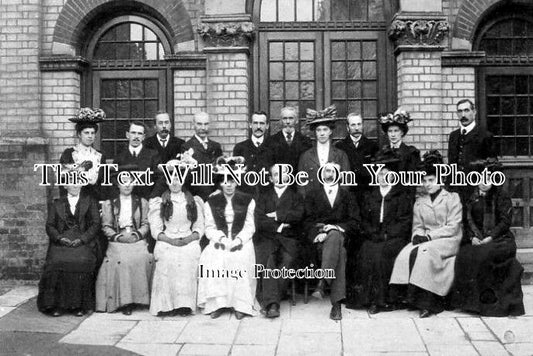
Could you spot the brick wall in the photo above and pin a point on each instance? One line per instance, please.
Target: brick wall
(23, 240)
(60, 100)
(189, 98)
(19, 68)
(420, 92)
(227, 97)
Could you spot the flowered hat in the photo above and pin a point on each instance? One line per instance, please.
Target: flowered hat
(88, 115)
(224, 164)
(327, 116)
(491, 164)
(400, 118)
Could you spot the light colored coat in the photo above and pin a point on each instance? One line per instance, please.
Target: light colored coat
(435, 263)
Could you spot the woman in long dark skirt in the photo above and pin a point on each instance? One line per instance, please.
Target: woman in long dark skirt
(487, 274)
(67, 283)
(386, 215)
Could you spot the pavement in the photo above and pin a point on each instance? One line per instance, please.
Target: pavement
(303, 329)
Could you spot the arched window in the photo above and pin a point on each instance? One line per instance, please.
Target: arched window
(128, 80)
(312, 53)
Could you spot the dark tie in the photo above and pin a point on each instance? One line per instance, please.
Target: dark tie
(164, 142)
(463, 132)
(289, 138)
(134, 154)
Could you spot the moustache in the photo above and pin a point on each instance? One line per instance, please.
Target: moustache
(165, 130)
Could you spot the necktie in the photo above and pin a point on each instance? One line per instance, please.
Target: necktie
(134, 154)
(289, 138)
(164, 142)
(463, 132)
(204, 143)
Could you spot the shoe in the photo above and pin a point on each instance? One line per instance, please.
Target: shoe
(56, 313)
(336, 313)
(387, 307)
(239, 315)
(273, 311)
(183, 311)
(126, 310)
(374, 309)
(79, 313)
(319, 290)
(424, 313)
(216, 313)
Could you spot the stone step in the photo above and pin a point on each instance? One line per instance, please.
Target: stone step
(525, 256)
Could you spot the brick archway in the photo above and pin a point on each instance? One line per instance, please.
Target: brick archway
(79, 18)
(470, 13)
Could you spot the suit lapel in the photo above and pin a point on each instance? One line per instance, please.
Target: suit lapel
(62, 208)
(83, 206)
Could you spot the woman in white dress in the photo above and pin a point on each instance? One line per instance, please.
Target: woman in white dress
(177, 223)
(226, 264)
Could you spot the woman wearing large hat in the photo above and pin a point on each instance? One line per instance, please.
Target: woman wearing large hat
(227, 262)
(386, 219)
(487, 273)
(177, 223)
(83, 156)
(425, 267)
(322, 124)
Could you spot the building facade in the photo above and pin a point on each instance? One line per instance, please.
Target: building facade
(232, 57)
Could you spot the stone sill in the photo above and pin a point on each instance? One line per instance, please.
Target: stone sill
(24, 141)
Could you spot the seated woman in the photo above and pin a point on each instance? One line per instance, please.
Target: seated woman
(67, 282)
(426, 265)
(386, 218)
(177, 223)
(227, 262)
(126, 272)
(487, 274)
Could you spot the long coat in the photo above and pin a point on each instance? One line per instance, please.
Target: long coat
(280, 152)
(362, 154)
(434, 267)
(256, 159)
(147, 158)
(478, 144)
(172, 148)
(310, 163)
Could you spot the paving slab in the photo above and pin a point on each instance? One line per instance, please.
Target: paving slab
(205, 330)
(155, 332)
(521, 349)
(6, 310)
(18, 295)
(511, 330)
(490, 348)
(259, 331)
(314, 309)
(354, 313)
(151, 349)
(381, 335)
(435, 331)
(326, 325)
(476, 329)
(137, 314)
(256, 350)
(205, 350)
(96, 332)
(396, 314)
(451, 350)
(306, 344)
(27, 318)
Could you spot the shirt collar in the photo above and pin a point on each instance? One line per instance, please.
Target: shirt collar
(280, 191)
(385, 190)
(469, 127)
(396, 145)
(137, 149)
(332, 188)
(200, 139)
(258, 141)
(356, 141)
(159, 138)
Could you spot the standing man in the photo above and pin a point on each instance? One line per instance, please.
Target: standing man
(139, 156)
(254, 149)
(166, 145)
(468, 143)
(288, 145)
(360, 150)
(205, 151)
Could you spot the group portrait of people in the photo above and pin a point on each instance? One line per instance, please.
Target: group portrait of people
(166, 246)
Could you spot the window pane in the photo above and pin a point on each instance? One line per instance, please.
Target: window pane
(123, 32)
(137, 109)
(354, 106)
(369, 50)
(369, 70)
(338, 90)
(354, 50)
(291, 51)
(338, 70)
(307, 70)
(150, 51)
(518, 216)
(522, 105)
(105, 51)
(508, 126)
(123, 89)
(291, 90)
(276, 51)
(275, 108)
(137, 51)
(150, 108)
(493, 124)
(371, 128)
(322, 10)
(375, 10)
(109, 35)
(286, 10)
(150, 88)
(123, 109)
(307, 90)
(522, 146)
(137, 88)
(276, 91)
(340, 10)
(136, 32)
(354, 90)
(149, 35)
(268, 10)
(354, 70)
(307, 51)
(107, 129)
(370, 89)
(291, 71)
(507, 106)
(522, 126)
(358, 9)
(109, 108)
(338, 50)
(123, 51)
(107, 89)
(304, 10)
(276, 71)
(370, 109)
(508, 147)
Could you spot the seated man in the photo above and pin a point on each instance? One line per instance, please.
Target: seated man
(278, 213)
(331, 215)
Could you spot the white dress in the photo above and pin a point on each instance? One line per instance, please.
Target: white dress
(237, 288)
(176, 267)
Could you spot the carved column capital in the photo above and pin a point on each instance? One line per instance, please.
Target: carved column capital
(423, 34)
(226, 31)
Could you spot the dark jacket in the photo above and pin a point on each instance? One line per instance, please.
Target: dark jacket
(86, 220)
(397, 215)
(203, 156)
(478, 144)
(344, 213)
(168, 152)
(495, 206)
(147, 158)
(280, 152)
(409, 156)
(256, 159)
(363, 154)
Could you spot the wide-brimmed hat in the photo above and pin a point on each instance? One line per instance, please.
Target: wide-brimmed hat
(89, 116)
(224, 164)
(387, 157)
(183, 160)
(399, 118)
(328, 116)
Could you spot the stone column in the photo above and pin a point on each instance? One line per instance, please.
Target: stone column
(226, 45)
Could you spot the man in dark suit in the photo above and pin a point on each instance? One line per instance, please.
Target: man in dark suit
(253, 149)
(288, 145)
(204, 150)
(278, 214)
(167, 146)
(468, 143)
(138, 155)
(331, 216)
(360, 150)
